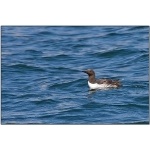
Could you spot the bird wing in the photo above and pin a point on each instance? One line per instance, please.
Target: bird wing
(108, 81)
(104, 81)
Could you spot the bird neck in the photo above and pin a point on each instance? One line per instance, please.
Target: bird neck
(92, 79)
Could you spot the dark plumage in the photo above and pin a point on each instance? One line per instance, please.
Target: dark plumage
(108, 82)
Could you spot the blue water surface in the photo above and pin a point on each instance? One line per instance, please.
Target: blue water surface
(43, 82)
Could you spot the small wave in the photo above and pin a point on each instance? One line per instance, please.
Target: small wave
(93, 105)
(96, 104)
(45, 33)
(26, 96)
(66, 69)
(112, 34)
(131, 105)
(24, 67)
(137, 122)
(44, 101)
(80, 46)
(67, 84)
(138, 27)
(55, 57)
(141, 58)
(74, 118)
(136, 59)
(112, 53)
(6, 53)
(32, 51)
(116, 34)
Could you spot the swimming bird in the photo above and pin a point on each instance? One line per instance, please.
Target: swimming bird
(100, 83)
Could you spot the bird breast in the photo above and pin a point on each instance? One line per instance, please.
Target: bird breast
(99, 86)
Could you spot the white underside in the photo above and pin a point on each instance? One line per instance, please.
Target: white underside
(99, 86)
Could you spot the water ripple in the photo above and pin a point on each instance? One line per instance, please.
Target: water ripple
(43, 82)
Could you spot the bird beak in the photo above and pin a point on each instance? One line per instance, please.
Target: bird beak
(84, 71)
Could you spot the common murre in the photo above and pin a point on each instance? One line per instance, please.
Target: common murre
(100, 83)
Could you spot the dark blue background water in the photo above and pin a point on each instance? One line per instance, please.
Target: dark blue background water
(43, 82)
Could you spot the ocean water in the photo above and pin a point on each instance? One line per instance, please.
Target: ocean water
(43, 82)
